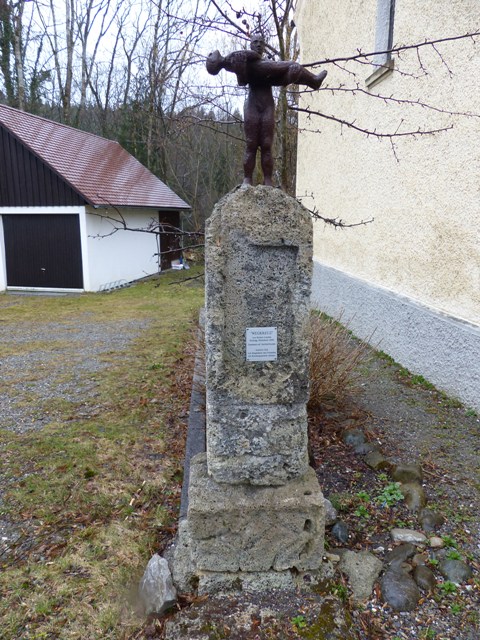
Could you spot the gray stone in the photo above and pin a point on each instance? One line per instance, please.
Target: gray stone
(262, 581)
(353, 437)
(260, 616)
(156, 590)
(364, 447)
(258, 274)
(218, 582)
(424, 577)
(362, 569)
(430, 520)
(414, 495)
(331, 514)
(407, 473)
(340, 531)
(399, 590)
(377, 461)
(419, 558)
(455, 570)
(254, 528)
(408, 535)
(400, 554)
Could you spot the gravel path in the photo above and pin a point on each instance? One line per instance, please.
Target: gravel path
(55, 362)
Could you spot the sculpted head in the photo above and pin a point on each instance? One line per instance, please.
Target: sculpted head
(214, 63)
(257, 43)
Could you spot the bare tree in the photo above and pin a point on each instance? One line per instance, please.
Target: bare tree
(11, 51)
(276, 20)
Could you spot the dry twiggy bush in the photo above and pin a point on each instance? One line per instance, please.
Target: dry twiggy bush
(334, 361)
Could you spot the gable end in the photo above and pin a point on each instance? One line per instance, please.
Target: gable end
(26, 181)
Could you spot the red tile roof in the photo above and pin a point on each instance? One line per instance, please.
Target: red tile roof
(99, 169)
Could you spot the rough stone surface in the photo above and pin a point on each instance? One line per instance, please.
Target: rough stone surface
(266, 615)
(258, 274)
(262, 581)
(414, 494)
(254, 528)
(156, 589)
(183, 567)
(218, 582)
(362, 569)
(408, 473)
(408, 535)
(455, 570)
(399, 590)
(424, 577)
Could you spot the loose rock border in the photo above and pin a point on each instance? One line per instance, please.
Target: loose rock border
(405, 570)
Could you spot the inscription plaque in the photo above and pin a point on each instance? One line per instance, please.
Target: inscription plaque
(261, 344)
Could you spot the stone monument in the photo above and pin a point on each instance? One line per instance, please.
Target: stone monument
(255, 512)
(256, 515)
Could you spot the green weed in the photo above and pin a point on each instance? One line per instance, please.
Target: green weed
(449, 541)
(447, 587)
(362, 512)
(390, 495)
(299, 622)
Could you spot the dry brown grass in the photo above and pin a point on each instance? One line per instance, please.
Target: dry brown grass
(335, 361)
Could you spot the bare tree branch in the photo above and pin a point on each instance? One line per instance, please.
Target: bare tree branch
(374, 132)
(360, 55)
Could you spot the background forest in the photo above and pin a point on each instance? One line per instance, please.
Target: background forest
(134, 71)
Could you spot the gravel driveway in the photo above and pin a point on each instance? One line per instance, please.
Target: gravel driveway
(54, 362)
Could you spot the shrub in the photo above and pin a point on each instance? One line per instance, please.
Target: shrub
(334, 361)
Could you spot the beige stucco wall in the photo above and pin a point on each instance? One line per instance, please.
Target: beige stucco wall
(424, 242)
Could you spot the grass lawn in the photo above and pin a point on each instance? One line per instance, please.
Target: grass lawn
(94, 493)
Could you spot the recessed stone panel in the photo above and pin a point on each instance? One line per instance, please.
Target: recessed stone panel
(258, 274)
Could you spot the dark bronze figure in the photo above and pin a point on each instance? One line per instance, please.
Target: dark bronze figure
(259, 112)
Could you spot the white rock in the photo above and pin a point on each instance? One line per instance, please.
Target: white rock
(436, 543)
(156, 589)
(362, 569)
(408, 535)
(332, 557)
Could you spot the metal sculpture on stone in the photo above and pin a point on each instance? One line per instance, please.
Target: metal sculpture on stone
(259, 112)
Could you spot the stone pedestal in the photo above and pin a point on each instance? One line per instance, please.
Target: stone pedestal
(258, 276)
(250, 528)
(256, 512)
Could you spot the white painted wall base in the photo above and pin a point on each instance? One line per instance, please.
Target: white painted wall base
(442, 349)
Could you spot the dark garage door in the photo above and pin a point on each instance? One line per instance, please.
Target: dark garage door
(43, 251)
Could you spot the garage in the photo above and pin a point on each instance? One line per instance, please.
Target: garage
(43, 251)
(71, 206)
